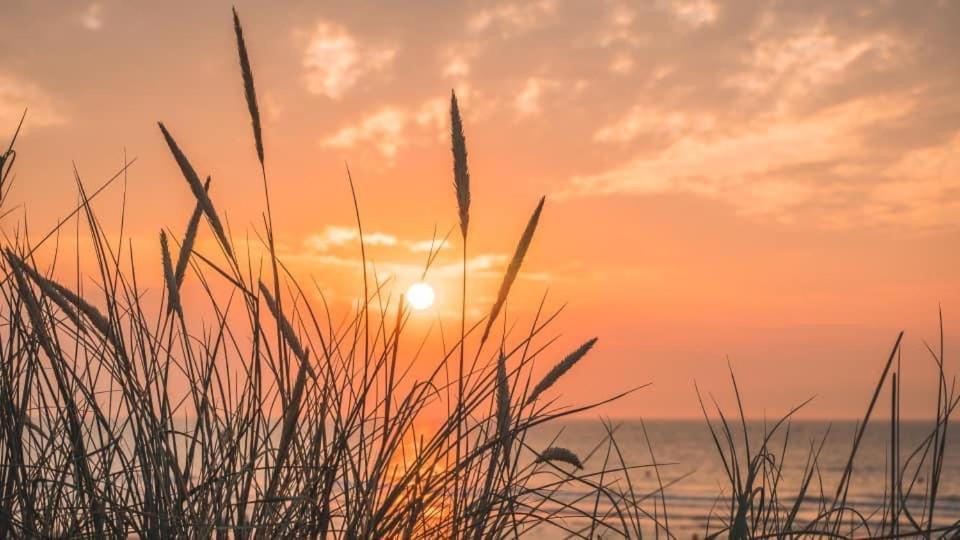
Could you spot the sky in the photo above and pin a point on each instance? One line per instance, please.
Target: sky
(771, 184)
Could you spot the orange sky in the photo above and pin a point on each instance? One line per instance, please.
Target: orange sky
(774, 182)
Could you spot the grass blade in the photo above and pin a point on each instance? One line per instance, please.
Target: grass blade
(558, 370)
(248, 89)
(513, 268)
(461, 174)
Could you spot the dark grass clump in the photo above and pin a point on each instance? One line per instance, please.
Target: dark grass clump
(270, 418)
(119, 420)
(755, 505)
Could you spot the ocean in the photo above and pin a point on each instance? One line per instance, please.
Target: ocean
(697, 496)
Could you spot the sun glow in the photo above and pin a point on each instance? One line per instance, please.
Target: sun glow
(420, 296)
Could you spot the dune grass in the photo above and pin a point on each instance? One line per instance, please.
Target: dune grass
(756, 507)
(293, 424)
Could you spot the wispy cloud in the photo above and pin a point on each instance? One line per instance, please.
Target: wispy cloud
(778, 168)
(389, 129)
(923, 188)
(384, 129)
(335, 61)
(427, 246)
(695, 13)
(336, 236)
(18, 94)
(617, 26)
(799, 117)
(528, 99)
(645, 120)
(92, 17)
(458, 66)
(509, 18)
(793, 66)
(484, 266)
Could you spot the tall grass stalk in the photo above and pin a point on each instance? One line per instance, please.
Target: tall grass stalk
(236, 405)
(121, 417)
(461, 184)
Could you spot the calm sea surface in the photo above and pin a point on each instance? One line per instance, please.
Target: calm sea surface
(696, 476)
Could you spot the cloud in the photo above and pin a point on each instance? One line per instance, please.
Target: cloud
(379, 239)
(511, 18)
(528, 99)
(92, 17)
(426, 246)
(389, 129)
(618, 27)
(783, 168)
(457, 59)
(923, 188)
(622, 16)
(481, 265)
(793, 66)
(642, 120)
(337, 236)
(433, 112)
(458, 66)
(695, 13)
(17, 94)
(384, 129)
(402, 260)
(820, 116)
(335, 61)
(486, 265)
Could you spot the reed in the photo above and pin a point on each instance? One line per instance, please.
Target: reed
(754, 467)
(66, 299)
(140, 457)
(118, 420)
(66, 307)
(189, 239)
(461, 185)
(513, 268)
(559, 454)
(286, 328)
(7, 159)
(461, 173)
(173, 290)
(559, 369)
(198, 189)
(503, 399)
(248, 90)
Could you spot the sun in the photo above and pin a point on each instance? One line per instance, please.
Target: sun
(420, 296)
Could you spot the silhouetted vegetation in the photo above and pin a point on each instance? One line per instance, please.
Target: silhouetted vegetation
(291, 423)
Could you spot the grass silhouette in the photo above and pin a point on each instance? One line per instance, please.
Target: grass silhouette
(311, 428)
